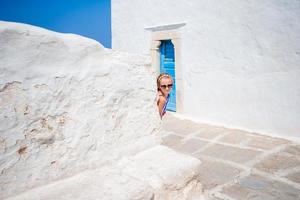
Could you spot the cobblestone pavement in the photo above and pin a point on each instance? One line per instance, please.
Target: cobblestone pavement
(237, 165)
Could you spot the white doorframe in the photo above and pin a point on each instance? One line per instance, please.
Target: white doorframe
(174, 36)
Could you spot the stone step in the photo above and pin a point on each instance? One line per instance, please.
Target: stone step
(158, 173)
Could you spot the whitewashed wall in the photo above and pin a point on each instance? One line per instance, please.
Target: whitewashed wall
(240, 59)
(67, 104)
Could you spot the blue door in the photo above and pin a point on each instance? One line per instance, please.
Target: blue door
(167, 65)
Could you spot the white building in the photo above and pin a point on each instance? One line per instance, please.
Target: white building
(237, 63)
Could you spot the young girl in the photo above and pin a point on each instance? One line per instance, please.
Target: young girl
(164, 85)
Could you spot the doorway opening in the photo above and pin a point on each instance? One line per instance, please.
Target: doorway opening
(166, 57)
(167, 65)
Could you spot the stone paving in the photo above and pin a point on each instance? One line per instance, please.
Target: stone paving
(237, 165)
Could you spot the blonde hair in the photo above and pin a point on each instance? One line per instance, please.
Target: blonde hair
(161, 76)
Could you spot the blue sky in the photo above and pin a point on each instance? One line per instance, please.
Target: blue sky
(89, 18)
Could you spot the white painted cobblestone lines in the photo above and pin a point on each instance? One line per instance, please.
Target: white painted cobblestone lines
(227, 162)
(276, 178)
(216, 141)
(286, 172)
(266, 148)
(264, 155)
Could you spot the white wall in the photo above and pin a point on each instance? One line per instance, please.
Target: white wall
(67, 104)
(240, 59)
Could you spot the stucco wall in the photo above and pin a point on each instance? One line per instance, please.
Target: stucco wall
(67, 104)
(240, 59)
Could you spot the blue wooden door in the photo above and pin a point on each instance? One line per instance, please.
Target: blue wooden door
(167, 65)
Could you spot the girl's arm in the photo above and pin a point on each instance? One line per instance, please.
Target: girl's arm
(161, 103)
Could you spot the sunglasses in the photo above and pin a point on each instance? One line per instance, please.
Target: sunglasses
(165, 86)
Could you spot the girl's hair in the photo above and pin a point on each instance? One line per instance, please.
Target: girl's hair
(162, 75)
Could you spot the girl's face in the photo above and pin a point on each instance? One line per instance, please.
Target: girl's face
(166, 85)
